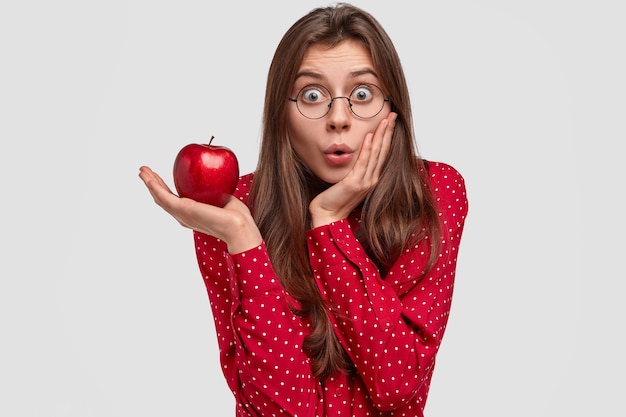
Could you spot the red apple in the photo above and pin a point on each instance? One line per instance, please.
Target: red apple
(206, 173)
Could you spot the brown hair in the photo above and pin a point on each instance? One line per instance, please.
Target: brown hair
(398, 206)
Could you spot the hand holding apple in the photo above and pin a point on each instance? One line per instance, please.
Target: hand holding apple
(206, 173)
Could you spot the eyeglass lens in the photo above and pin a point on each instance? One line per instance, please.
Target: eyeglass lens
(365, 101)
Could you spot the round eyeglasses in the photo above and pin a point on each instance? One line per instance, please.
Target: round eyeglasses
(365, 101)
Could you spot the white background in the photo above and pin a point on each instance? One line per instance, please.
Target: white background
(102, 308)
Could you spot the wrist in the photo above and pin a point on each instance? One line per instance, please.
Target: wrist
(243, 236)
(323, 217)
(317, 221)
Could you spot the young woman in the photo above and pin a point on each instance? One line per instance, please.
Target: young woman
(330, 272)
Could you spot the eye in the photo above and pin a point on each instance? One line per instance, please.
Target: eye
(362, 93)
(313, 94)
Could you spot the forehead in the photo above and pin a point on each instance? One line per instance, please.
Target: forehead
(347, 56)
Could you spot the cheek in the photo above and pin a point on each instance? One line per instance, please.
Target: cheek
(293, 124)
(298, 133)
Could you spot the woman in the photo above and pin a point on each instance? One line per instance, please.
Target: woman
(330, 272)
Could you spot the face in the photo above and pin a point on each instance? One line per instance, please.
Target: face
(329, 146)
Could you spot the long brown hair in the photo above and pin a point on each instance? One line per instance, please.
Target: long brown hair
(282, 189)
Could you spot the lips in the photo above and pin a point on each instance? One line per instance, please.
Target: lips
(338, 154)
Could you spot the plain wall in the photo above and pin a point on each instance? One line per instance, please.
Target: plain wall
(102, 309)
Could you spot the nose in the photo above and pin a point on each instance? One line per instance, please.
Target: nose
(339, 116)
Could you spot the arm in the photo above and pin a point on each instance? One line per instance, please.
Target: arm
(259, 337)
(391, 328)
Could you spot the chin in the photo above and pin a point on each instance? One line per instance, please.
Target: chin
(333, 178)
(328, 175)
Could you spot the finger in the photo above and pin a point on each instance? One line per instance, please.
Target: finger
(374, 147)
(385, 143)
(367, 160)
(160, 192)
(185, 211)
(359, 169)
(148, 175)
(162, 195)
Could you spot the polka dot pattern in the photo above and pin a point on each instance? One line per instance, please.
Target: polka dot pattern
(390, 327)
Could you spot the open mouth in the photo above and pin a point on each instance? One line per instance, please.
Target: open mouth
(339, 157)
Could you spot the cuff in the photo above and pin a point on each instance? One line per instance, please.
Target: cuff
(333, 244)
(254, 272)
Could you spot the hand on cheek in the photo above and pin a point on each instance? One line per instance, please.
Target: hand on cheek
(338, 201)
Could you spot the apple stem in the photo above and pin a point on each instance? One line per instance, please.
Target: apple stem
(211, 140)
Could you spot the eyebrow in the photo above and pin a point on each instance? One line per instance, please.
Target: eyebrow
(353, 74)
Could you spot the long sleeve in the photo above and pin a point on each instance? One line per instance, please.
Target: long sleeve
(259, 336)
(392, 328)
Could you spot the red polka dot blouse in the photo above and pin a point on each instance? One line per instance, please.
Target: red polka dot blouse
(391, 328)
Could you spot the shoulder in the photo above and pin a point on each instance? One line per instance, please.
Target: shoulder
(441, 174)
(447, 184)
